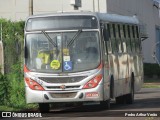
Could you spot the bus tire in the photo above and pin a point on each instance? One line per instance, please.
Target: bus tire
(130, 97)
(105, 104)
(112, 87)
(44, 107)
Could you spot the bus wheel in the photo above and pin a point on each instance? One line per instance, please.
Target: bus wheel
(44, 107)
(130, 97)
(105, 104)
(120, 100)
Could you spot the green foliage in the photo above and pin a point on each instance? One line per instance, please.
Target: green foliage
(4, 90)
(12, 35)
(12, 90)
(151, 69)
(16, 92)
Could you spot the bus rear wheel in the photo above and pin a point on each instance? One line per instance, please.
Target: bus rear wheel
(130, 97)
(44, 107)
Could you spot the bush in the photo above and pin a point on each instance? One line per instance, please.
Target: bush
(151, 69)
(12, 91)
(12, 36)
(17, 90)
(4, 90)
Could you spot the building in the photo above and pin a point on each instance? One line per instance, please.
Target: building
(147, 11)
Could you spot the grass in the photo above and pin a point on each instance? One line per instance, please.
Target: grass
(6, 108)
(152, 81)
(151, 86)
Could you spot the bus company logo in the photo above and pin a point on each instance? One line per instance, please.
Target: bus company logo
(63, 87)
(6, 114)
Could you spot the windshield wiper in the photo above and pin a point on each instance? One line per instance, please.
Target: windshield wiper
(74, 37)
(49, 39)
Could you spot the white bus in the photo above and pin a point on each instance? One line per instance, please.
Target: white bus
(82, 57)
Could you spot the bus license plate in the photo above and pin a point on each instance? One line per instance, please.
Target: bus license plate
(92, 95)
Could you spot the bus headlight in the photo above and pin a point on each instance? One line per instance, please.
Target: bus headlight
(33, 84)
(93, 82)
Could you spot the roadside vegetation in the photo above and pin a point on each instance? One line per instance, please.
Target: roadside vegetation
(12, 92)
(152, 75)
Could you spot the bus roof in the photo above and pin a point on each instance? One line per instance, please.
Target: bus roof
(101, 16)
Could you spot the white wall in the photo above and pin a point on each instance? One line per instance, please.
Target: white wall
(14, 9)
(59, 5)
(19, 9)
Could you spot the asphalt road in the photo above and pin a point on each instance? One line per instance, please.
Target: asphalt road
(146, 101)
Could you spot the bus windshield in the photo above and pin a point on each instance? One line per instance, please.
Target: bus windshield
(62, 51)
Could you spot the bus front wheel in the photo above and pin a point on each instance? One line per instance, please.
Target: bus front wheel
(44, 107)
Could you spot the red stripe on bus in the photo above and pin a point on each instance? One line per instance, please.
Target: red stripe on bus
(100, 66)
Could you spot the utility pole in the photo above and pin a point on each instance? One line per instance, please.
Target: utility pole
(30, 7)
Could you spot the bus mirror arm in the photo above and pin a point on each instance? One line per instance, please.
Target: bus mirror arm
(143, 38)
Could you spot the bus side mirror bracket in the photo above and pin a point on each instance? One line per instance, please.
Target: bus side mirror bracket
(144, 38)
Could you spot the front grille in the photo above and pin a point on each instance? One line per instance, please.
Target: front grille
(58, 87)
(62, 79)
(63, 95)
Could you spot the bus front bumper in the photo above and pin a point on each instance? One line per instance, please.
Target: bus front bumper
(93, 95)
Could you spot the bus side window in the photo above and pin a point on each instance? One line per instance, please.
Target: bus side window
(123, 36)
(113, 39)
(121, 32)
(132, 38)
(118, 38)
(128, 43)
(109, 48)
(137, 39)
